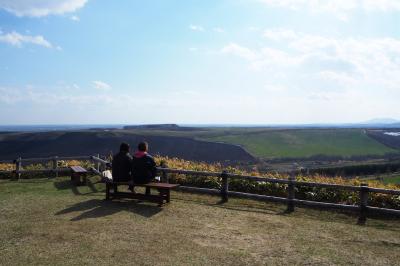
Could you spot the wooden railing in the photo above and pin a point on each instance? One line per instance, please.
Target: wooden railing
(54, 166)
(362, 207)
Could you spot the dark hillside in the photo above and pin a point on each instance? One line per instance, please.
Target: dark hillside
(388, 140)
(89, 143)
(171, 127)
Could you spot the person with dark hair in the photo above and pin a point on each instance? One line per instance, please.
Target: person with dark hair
(143, 165)
(122, 164)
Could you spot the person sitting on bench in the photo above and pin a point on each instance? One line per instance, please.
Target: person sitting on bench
(122, 165)
(143, 165)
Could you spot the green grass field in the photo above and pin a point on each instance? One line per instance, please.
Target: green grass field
(48, 222)
(305, 142)
(392, 180)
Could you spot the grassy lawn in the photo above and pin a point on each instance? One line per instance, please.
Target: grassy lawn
(305, 143)
(49, 222)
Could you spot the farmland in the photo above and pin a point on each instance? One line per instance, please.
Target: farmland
(299, 143)
(209, 144)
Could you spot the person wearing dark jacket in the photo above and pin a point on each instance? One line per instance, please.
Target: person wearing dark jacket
(122, 164)
(143, 165)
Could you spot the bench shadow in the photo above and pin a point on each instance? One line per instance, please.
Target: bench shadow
(66, 184)
(96, 208)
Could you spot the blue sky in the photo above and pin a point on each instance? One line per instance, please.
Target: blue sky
(193, 62)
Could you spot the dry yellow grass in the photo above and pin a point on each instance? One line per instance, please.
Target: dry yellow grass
(50, 222)
(7, 167)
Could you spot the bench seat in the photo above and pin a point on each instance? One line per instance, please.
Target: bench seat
(163, 192)
(76, 173)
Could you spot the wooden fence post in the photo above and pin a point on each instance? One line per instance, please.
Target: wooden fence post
(55, 165)
(164, 174)
(364, 192)
(224, 186)
(98, 163)
(291, 192)
(18, 166)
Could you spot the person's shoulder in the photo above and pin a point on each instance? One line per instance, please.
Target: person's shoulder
(149, 156)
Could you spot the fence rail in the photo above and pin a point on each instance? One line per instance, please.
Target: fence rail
(362, 207)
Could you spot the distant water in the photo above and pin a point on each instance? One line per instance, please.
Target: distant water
(43, 128)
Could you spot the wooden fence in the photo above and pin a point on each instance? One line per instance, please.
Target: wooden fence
(362, 208)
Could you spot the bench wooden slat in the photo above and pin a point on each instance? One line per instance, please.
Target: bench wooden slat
(76, 173)
(150, 185)
(78, 169)
(159, 185)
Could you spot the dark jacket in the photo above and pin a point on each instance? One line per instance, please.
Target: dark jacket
(122, 167)
(143, 168)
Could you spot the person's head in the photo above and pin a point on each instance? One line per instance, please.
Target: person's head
(124, 147)
(143, 146)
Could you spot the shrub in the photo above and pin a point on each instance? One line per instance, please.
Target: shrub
(274, 189)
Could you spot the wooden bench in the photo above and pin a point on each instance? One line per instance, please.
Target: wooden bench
(163, 192)
(76, 173)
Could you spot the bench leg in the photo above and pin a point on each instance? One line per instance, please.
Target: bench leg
(75, 179)
(147, 191)
(161, 201)
(107, 191)
(168, 196)
(164, 195)
(84, 181)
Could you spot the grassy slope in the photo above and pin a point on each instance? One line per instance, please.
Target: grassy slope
(48, 222)
(306, 142)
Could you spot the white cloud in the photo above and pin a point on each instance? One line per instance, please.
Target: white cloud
(337, 5)
(341, 8)
(193, 49)
(196, 27)
(100, 85)
(240, 51)
(219, 30)
(75, 18)
(40, 8)
(17, 39)
(323, 68)
(280, 34)
(10, 95)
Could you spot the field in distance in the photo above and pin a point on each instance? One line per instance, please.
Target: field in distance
(210, 144)
(272, 143)
(300, 143)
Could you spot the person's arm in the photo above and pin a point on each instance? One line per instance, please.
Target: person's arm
(131, 168)
(153, 168)
(113, 165)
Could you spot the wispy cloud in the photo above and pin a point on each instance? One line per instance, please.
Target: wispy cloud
(75, 18)
(101, 85)
(236, 49)
(17, 39)
(318, 64)
(196, 27)
(341, 8)
(219, 30)
(40, 8)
